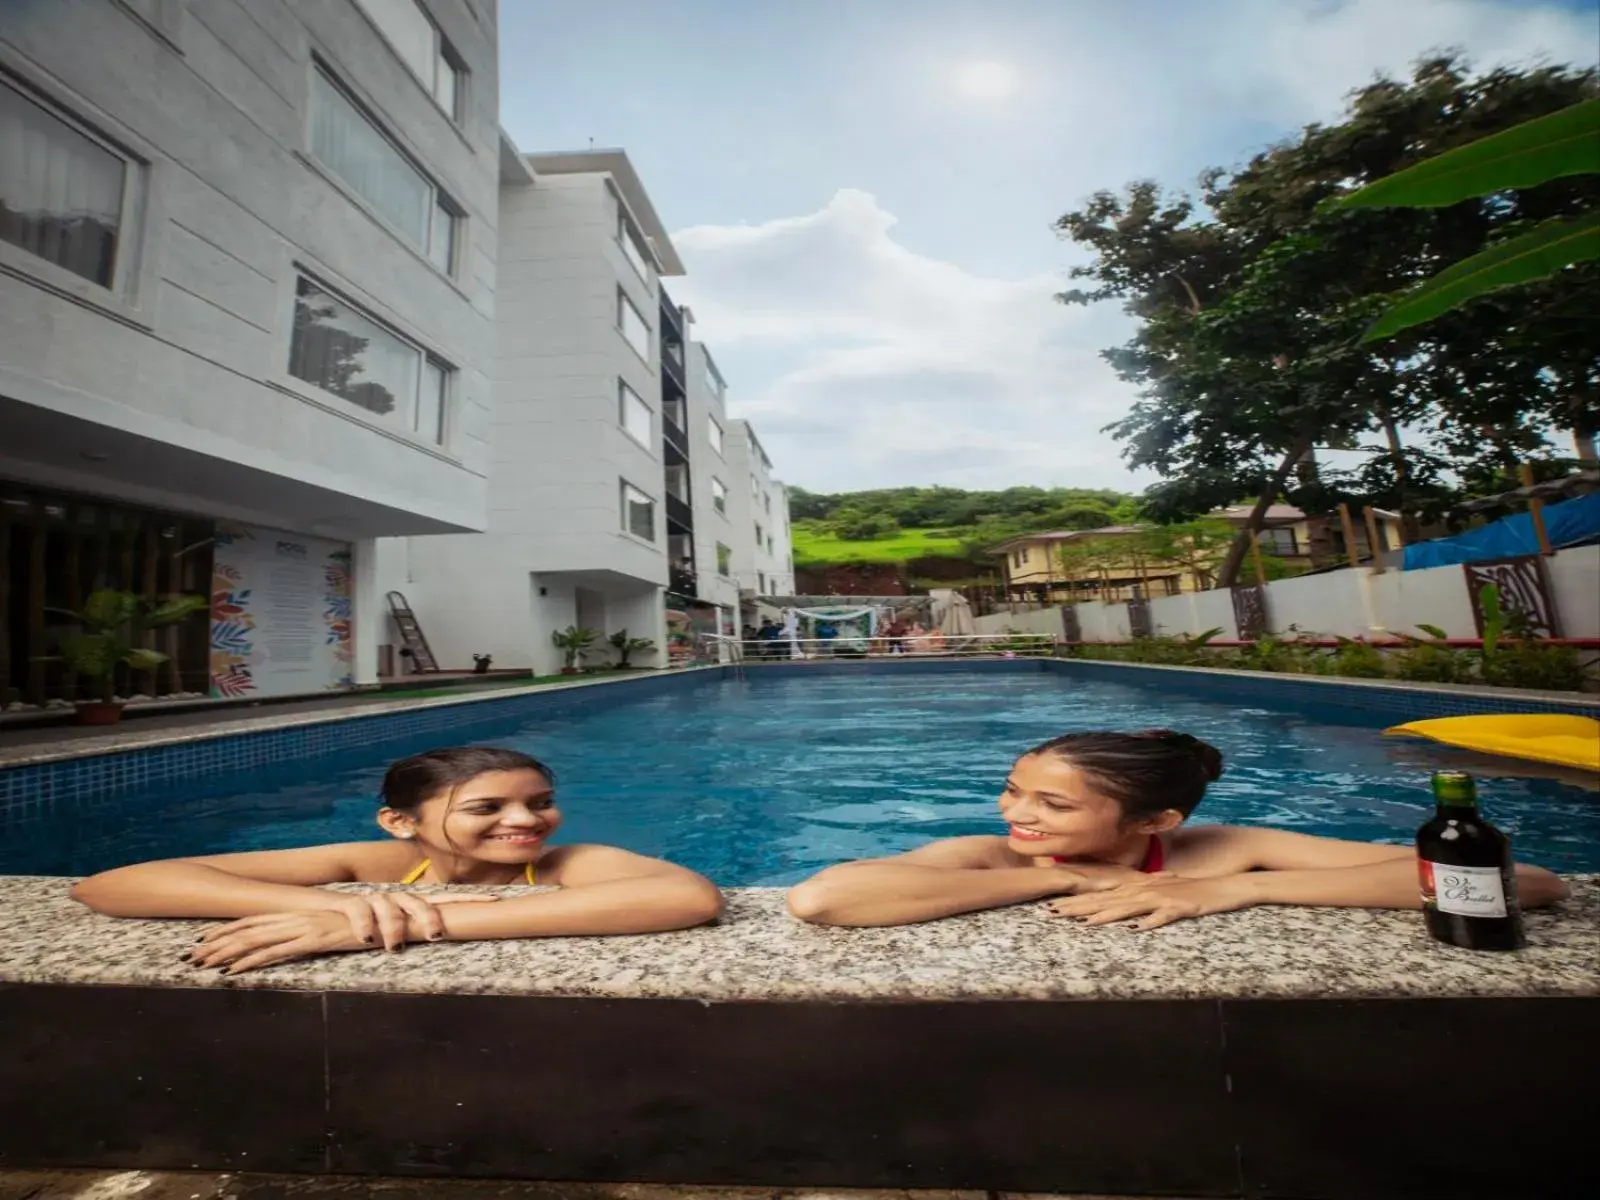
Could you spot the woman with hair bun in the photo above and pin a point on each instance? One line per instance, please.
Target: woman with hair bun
(1096, 824)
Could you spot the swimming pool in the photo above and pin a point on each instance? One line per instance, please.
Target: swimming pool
(763, 780)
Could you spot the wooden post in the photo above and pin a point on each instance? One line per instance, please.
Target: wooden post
(1373, 540)
(1535, 511)
(1349, 535)
(1255, 557)
(1399, 532)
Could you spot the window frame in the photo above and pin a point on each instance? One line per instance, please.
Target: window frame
(719, 496)
(718, 437)
(628, 237)
(649, 333)
(138, 211)
(351, 409)
(438, 198)
(624, 487)
(624, 392)
(444, 51)
(724, 560)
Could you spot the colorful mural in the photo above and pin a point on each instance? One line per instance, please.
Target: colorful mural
(281, 613)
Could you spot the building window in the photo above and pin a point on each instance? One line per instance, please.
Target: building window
(761, 583)
(638, 513)
(719, 496)
(758, 535)
(1279, 541)
(353, 147)
(628, 239)
(341, 350)
(755, 488)
(769, 543)
(62, 193)
(635, 414)
(768, 499)
(420, 45)
(724, 561)
(633, 326)
(715, 432)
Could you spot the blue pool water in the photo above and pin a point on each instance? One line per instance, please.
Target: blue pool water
(765, 780)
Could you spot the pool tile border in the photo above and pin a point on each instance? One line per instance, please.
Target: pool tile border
(1385, 702)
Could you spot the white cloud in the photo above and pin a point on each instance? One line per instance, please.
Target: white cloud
(912, 370)
(867, 364)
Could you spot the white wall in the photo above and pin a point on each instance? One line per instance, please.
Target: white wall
(705, 403)
(178, 375)
(1349, 603)
(756, 498)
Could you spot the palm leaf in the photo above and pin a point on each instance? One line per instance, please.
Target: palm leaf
(1539, 253)
(141, 659)
(1564, 143)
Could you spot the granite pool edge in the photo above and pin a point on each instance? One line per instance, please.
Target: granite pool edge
(759, 954)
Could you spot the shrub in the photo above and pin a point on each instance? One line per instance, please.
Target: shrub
(1429, 662)
(1357, 660)
(1528, 665)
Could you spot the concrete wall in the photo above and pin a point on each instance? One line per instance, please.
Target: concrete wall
(757, 498)
(176, 378)
(1349, 603)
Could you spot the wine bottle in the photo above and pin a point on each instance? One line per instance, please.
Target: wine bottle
(1469, 887)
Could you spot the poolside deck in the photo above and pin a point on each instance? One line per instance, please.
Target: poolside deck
(999, 1050)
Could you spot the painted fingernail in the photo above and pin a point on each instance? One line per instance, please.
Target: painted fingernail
(200, 939)
(434, 937)
(368, 940)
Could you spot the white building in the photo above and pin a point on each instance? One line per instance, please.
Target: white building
(714, 530)
(585, 494)
(247, 275)
(763, 561)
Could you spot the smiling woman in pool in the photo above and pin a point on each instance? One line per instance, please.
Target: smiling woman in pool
(469, 815)
(1096, 819)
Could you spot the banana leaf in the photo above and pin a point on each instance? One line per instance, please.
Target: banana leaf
(1550, 147)
(1537, 254)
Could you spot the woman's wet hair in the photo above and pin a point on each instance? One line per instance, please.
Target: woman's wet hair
(423, 776)
(1147, 772)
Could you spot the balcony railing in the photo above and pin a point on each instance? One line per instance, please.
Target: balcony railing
(674, 434)
(681, 580)
(679, 513)
(672, 359)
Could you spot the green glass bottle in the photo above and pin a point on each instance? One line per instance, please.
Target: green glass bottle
(1469, 886)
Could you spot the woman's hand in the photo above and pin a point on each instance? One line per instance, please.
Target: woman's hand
(1156, 900)
(1101, 877)
(357, 922)
(276, 938)
(390, 917)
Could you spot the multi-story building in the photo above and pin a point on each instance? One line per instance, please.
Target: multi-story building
(716, 583)
(582, 454)
(247, 272)
(762, 559)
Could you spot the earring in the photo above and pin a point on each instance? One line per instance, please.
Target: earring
(407, 835)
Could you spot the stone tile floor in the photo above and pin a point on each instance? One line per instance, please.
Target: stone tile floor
(171, 1185)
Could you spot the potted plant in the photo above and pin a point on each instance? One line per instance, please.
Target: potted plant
(574, 642)
(113, 623)
(480, 663)
(626, 647)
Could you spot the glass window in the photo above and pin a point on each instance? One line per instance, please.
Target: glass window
(638, 513)
(420, 45)
(635, 414)
(724, 560)
(341, 350)
(761, 583)
(630, 246)
(758, 535)
(768, 499)
(442, 237)
(769, 543)
(755, 487)
(1279, 541)
(715, 431)
(633, 326)
(357, 152)
(60, 191)
(719, 496)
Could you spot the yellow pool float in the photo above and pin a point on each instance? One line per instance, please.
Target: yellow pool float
(1537, 737)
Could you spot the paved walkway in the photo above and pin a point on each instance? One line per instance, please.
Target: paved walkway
(162, 1185)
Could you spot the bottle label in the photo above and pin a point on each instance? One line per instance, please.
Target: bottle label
(1464, 891)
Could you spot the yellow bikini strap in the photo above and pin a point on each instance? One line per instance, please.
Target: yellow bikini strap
(421, 869)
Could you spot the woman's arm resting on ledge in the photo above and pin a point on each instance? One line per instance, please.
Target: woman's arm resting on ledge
(222, 885)
(938, 880)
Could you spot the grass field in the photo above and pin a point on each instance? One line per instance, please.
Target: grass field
(811, 547)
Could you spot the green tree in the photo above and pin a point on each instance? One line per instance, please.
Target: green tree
(1249, 354)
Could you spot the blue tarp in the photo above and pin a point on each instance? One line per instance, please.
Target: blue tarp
(1569, 523)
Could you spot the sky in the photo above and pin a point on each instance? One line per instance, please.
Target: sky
(862, 191)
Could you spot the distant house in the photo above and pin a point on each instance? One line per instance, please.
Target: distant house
(1305, 542)
(1088, 564)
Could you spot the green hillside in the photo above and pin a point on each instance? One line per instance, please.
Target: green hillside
(893, 525)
